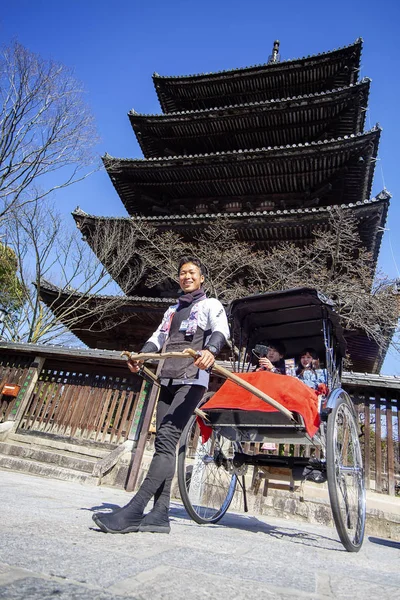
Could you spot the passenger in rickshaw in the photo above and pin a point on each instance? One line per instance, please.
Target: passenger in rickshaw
(309, 371)
(273, 360)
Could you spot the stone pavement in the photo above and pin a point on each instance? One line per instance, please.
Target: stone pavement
(50, 548)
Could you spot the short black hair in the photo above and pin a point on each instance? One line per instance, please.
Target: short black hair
(191, 259)
(278, 346)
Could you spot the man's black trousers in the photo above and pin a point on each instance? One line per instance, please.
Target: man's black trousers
(176, 404)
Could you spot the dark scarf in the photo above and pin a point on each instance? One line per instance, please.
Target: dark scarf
(187, 299)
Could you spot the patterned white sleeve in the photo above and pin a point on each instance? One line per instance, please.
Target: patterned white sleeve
(217, 318)
(159, 337)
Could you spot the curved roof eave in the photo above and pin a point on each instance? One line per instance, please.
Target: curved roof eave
(316, 96)
(78, 214)
(207, 89)
(109, 160)
(238, 70)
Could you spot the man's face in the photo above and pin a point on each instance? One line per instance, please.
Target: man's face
(190, 278)
(273, 355)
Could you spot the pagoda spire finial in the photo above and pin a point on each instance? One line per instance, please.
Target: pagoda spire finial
(275, 57)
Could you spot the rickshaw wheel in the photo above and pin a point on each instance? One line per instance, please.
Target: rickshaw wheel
(345, 474)
(205, 474)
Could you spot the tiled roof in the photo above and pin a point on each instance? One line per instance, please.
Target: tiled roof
(79, 214)
(268, 65)
(169, 117)
(53, 290)
(246, 152)
(123, 325)
(71, 352)
(312, 117)
(371, 380)
(263, 229)
(260, 82)
(339, 169)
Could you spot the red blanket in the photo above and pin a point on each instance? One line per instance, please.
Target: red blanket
(288, 391)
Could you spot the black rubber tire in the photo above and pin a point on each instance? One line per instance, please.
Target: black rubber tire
(345, 474)
(211, 461)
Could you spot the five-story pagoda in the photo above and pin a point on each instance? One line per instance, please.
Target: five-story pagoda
(271, 147)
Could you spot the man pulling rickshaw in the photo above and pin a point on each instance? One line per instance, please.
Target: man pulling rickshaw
(252, 406)
(198, 322)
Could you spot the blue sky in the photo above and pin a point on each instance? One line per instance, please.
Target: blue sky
(114, 47)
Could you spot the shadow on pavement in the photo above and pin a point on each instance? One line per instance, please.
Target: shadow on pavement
(103, 507)
(383, 542)
(254, 525)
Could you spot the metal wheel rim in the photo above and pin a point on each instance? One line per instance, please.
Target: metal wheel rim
(209, 480)
(349, 474)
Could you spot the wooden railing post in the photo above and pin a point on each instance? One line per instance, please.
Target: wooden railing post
(25, 393)
(378, 444)
(398, 430)
(390, 447)
(367, 442)
(140, 446)
(145, 417)
(138, 415)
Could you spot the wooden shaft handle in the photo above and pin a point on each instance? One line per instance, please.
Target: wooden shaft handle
(217, 369)
(188, 353)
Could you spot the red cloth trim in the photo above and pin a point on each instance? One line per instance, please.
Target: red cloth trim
(322, 389)
(205, 430)
(288, 391)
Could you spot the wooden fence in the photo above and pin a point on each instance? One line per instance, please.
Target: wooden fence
(380, 438)
(90, 396)
(73, 398)
(74, 403)
(13, 369)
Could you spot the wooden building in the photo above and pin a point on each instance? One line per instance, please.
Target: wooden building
(270, 147)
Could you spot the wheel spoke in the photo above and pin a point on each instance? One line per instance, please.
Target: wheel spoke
(346, 476)
(206, 478)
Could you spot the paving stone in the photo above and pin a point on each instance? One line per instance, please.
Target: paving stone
(50, 548)
(33, 588)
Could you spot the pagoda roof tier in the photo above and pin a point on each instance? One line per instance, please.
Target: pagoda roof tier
(137, 318)
(324, 115)
(126, 327)
(327, 172)
(365, 354)
(308, 75)
(262, 229)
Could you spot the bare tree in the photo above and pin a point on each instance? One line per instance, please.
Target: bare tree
(231, 266)
(45, 127)
(48, 250)
(336, 263)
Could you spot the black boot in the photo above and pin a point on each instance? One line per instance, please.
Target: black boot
(125, 520)
(156, 521)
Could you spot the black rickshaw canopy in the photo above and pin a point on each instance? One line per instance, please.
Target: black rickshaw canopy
(295, 317)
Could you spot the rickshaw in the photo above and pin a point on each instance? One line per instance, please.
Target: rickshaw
(212, 459)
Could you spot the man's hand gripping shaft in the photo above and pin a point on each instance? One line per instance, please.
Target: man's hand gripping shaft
(203, 359)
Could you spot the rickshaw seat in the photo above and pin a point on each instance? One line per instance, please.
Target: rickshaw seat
(289, 391)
